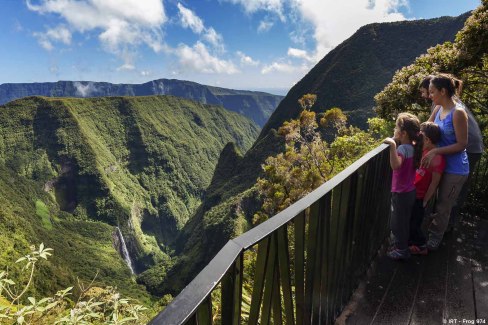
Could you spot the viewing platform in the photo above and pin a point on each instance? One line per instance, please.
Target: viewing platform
(448, 286)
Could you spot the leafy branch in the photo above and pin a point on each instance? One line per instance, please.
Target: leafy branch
(93, 306)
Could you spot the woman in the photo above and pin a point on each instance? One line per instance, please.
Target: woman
(452, 119)
(474, 148)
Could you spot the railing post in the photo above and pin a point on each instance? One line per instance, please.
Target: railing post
(269, 279)
(284, 267)
(312, 242)
(204, 312)
(232, 293)
(325, 207)
(257, 291)
(300, 267)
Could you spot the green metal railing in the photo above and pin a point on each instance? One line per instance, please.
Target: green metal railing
(300, 266)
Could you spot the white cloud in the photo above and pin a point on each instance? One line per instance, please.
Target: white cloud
(190, 20)
(300, 54)
(246, 60)
(332, 21)
(58, 34)
(265, 25)
(90, 14)
(335, 21)
(122, 24)
(126, 67)
(145, 73)
(284, 67)
(199, 59)
(84, 90)
(214, 38)
(252, 6)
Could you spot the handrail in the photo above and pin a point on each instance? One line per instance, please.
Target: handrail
(183, 307)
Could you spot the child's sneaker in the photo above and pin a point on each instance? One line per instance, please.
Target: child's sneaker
(399, 254)
(418, 250)
(433, 244)
(434, 241)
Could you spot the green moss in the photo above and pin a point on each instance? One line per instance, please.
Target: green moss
(42, 211)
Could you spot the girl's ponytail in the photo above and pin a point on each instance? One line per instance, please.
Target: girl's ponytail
(418, 145)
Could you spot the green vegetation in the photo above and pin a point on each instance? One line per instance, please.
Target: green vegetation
(42, 211)
(309, 160)
(93, 306)
(82, 248)
(72, 169)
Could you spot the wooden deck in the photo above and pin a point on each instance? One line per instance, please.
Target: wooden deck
(449, 286)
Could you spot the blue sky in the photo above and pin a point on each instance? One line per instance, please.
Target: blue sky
(242, 44)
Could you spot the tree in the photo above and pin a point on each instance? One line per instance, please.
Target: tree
(308, 160)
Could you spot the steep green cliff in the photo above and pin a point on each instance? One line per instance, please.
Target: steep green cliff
(73, 169)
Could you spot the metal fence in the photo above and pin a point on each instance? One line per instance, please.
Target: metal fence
(300, 266)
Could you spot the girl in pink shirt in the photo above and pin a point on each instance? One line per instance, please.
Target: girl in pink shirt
(404, 159)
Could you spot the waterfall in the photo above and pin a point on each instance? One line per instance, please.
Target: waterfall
(124, 251)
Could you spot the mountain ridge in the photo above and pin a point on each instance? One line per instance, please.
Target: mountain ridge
(255, 105)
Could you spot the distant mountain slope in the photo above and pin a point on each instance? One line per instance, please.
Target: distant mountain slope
(350, 75)
(140, 163)
(257, 106)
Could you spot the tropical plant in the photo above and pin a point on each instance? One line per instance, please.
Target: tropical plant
(93, 306)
